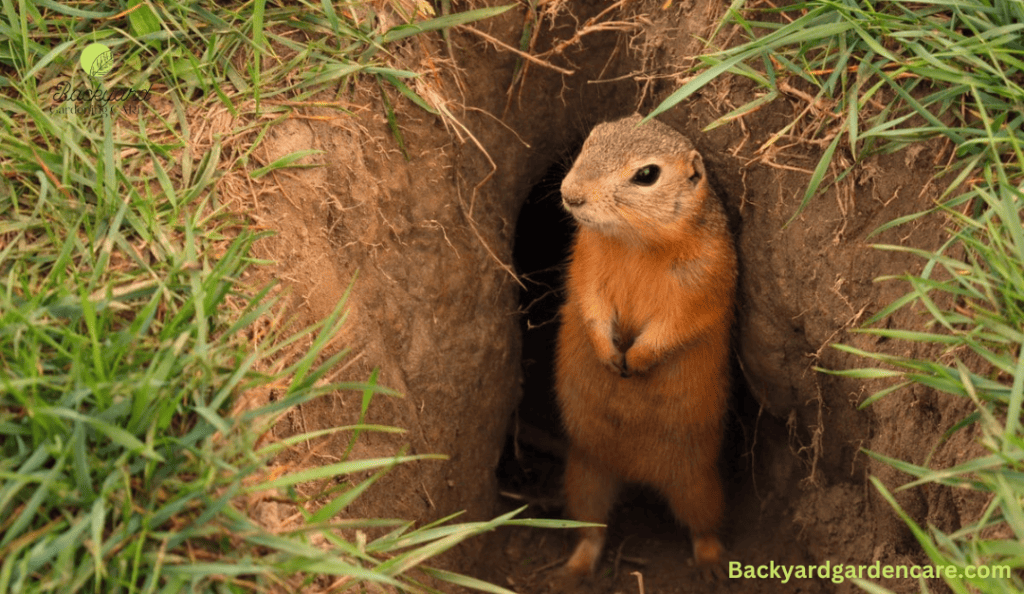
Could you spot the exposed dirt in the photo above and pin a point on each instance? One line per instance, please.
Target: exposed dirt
(433, 239)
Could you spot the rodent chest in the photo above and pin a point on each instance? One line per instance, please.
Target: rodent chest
(636, 300)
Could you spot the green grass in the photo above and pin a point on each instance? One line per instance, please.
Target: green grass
(127, 331)
(895, 74)
(892, 74)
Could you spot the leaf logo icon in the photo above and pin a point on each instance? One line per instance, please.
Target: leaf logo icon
(97, 60)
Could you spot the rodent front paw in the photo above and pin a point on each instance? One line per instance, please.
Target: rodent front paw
(636, 362)
(617, 364)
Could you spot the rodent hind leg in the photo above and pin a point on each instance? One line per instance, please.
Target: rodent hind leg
(590, 490)
(698, 504)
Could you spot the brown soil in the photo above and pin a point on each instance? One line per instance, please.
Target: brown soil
(431, 241)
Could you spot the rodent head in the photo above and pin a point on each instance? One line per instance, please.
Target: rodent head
(637, 183)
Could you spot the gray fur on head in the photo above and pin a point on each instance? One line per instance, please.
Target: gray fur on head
(602, 192)
(629, 137)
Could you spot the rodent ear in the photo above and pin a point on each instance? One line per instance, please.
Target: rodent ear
(696, 166)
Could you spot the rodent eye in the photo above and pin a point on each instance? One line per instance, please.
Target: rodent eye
(646, 175)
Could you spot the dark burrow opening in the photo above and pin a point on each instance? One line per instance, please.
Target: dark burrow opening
(532, 463)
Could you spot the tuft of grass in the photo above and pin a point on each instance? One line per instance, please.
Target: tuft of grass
(885, 75)
(879, 76)
(127, 330)
(974, 304)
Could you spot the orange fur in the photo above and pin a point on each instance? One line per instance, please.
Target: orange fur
(642, 364)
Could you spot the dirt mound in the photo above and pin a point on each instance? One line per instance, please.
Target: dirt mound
(435, 306)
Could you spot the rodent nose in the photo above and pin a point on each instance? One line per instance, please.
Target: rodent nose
(573, 199)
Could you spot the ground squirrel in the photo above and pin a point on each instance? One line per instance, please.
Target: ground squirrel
(643, 348)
